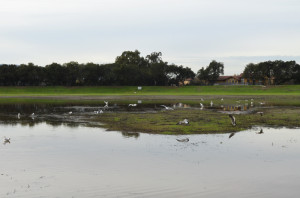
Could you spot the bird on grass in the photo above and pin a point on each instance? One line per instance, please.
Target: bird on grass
(185, 122)
(233, 121)
(261, 113)
(260, 132)
(183, 140)
(167, 108)
(6, 140)
(201, 106)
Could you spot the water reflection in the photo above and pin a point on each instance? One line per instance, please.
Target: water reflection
(47, 161)
(130, 134)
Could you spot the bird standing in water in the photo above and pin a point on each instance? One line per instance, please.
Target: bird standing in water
(260, 132)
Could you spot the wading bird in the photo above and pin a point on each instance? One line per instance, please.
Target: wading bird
(19, 116)
(201, 106)
(32, 116)
(183, 140)
(106, 104)
(211, 103)
(233, 122)
(132, 105)
(260, 132)
(167, 108)
(185, 122)
(70, 112)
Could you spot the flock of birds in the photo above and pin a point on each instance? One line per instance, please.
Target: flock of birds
(232, 118)
(33, 116)
(183, 122)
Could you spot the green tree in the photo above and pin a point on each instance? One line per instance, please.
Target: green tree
(55, 74)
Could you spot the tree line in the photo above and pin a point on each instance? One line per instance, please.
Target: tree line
(274, 72)
(130, 68)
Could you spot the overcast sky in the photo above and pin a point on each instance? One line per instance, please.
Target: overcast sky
(187, 32)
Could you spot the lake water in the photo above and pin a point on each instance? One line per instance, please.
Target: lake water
(46, 160)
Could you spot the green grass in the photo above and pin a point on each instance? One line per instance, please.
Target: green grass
(151, 90)
(201, 122)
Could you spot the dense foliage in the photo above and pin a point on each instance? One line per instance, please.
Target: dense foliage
(274, 72)
(211, 73)
(130, 68)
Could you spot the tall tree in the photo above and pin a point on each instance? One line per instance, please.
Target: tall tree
(130, 58)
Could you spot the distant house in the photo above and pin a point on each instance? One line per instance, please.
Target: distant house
(186, 82)
(231, 80)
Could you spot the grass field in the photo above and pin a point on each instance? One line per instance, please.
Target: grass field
(151, 90)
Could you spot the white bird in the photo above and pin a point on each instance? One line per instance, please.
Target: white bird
(100, 111)
(132, 105)
(222, 99)
(167, 108)
(233, 121)
(6, 140)
(211, 103)
(96, 112)
(106, 104)
(201, 106)
(70, 112)
(185, 121)
(183, 140)
(251, 104)
(19, 115)
(261, 113)
(32, 116)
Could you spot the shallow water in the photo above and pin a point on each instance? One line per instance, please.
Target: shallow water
(62, 161)
(55, 155)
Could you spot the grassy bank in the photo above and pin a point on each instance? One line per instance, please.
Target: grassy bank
(151, 90)
(201, 121)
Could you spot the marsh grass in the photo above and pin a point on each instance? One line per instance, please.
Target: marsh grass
(201, 121)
